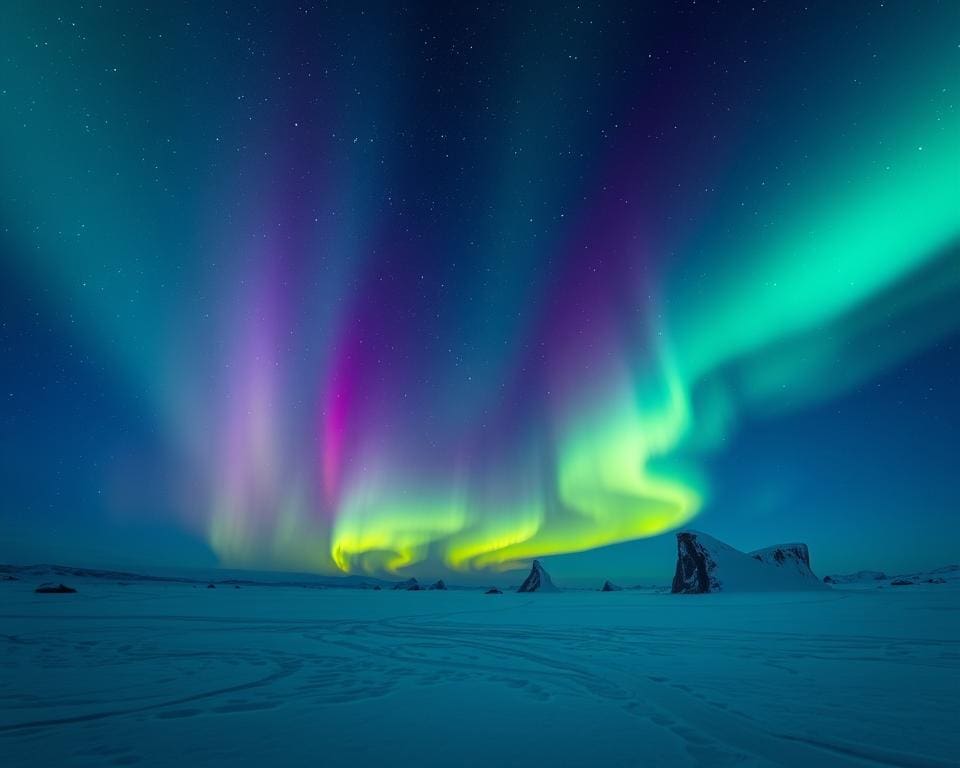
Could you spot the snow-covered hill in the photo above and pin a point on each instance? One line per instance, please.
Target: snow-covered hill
(705, 564)
(948, 574)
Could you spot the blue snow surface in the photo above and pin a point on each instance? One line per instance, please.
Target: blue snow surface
(173, 674)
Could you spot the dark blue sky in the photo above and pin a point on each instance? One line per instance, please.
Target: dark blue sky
(435, 290)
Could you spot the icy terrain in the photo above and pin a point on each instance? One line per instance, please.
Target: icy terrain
(157, 674)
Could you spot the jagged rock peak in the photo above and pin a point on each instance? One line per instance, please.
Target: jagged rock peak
(438, 584)
(609, 586)
(411, 585)
(538, 580)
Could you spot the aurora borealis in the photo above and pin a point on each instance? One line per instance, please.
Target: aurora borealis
(443, 288)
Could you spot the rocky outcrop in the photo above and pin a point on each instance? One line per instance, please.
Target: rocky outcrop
(781, 554)
(853, 578)
(705, 564)
(694, 565)
(493, 591)
(948, 575)
(792, 559)
(410, 585)
(211, 586)
(54, 589)
(538, 580)
(438, 584)
(609, 586)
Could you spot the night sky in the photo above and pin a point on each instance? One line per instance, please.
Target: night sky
(434, 289)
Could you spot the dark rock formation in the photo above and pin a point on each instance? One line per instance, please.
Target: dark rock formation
(211, 586)
(411, 585)
(376, 587)
(438, 584)
(538, 580)
(693, 566)
(54, 589)
(609, 586)
(901, 583)
(938, 580)
(782, 553)
(493, 591)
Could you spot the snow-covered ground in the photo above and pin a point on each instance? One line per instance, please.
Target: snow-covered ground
(172, 674)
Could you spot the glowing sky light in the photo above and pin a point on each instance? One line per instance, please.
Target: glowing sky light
(459, 304)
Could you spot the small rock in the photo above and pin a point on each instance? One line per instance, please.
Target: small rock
(493, 591)
(54, 589)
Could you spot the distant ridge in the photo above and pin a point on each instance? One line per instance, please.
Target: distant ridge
(308, 582)
(947, 575)
(854, 578)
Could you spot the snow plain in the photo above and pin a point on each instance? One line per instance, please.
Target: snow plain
(164, 674)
